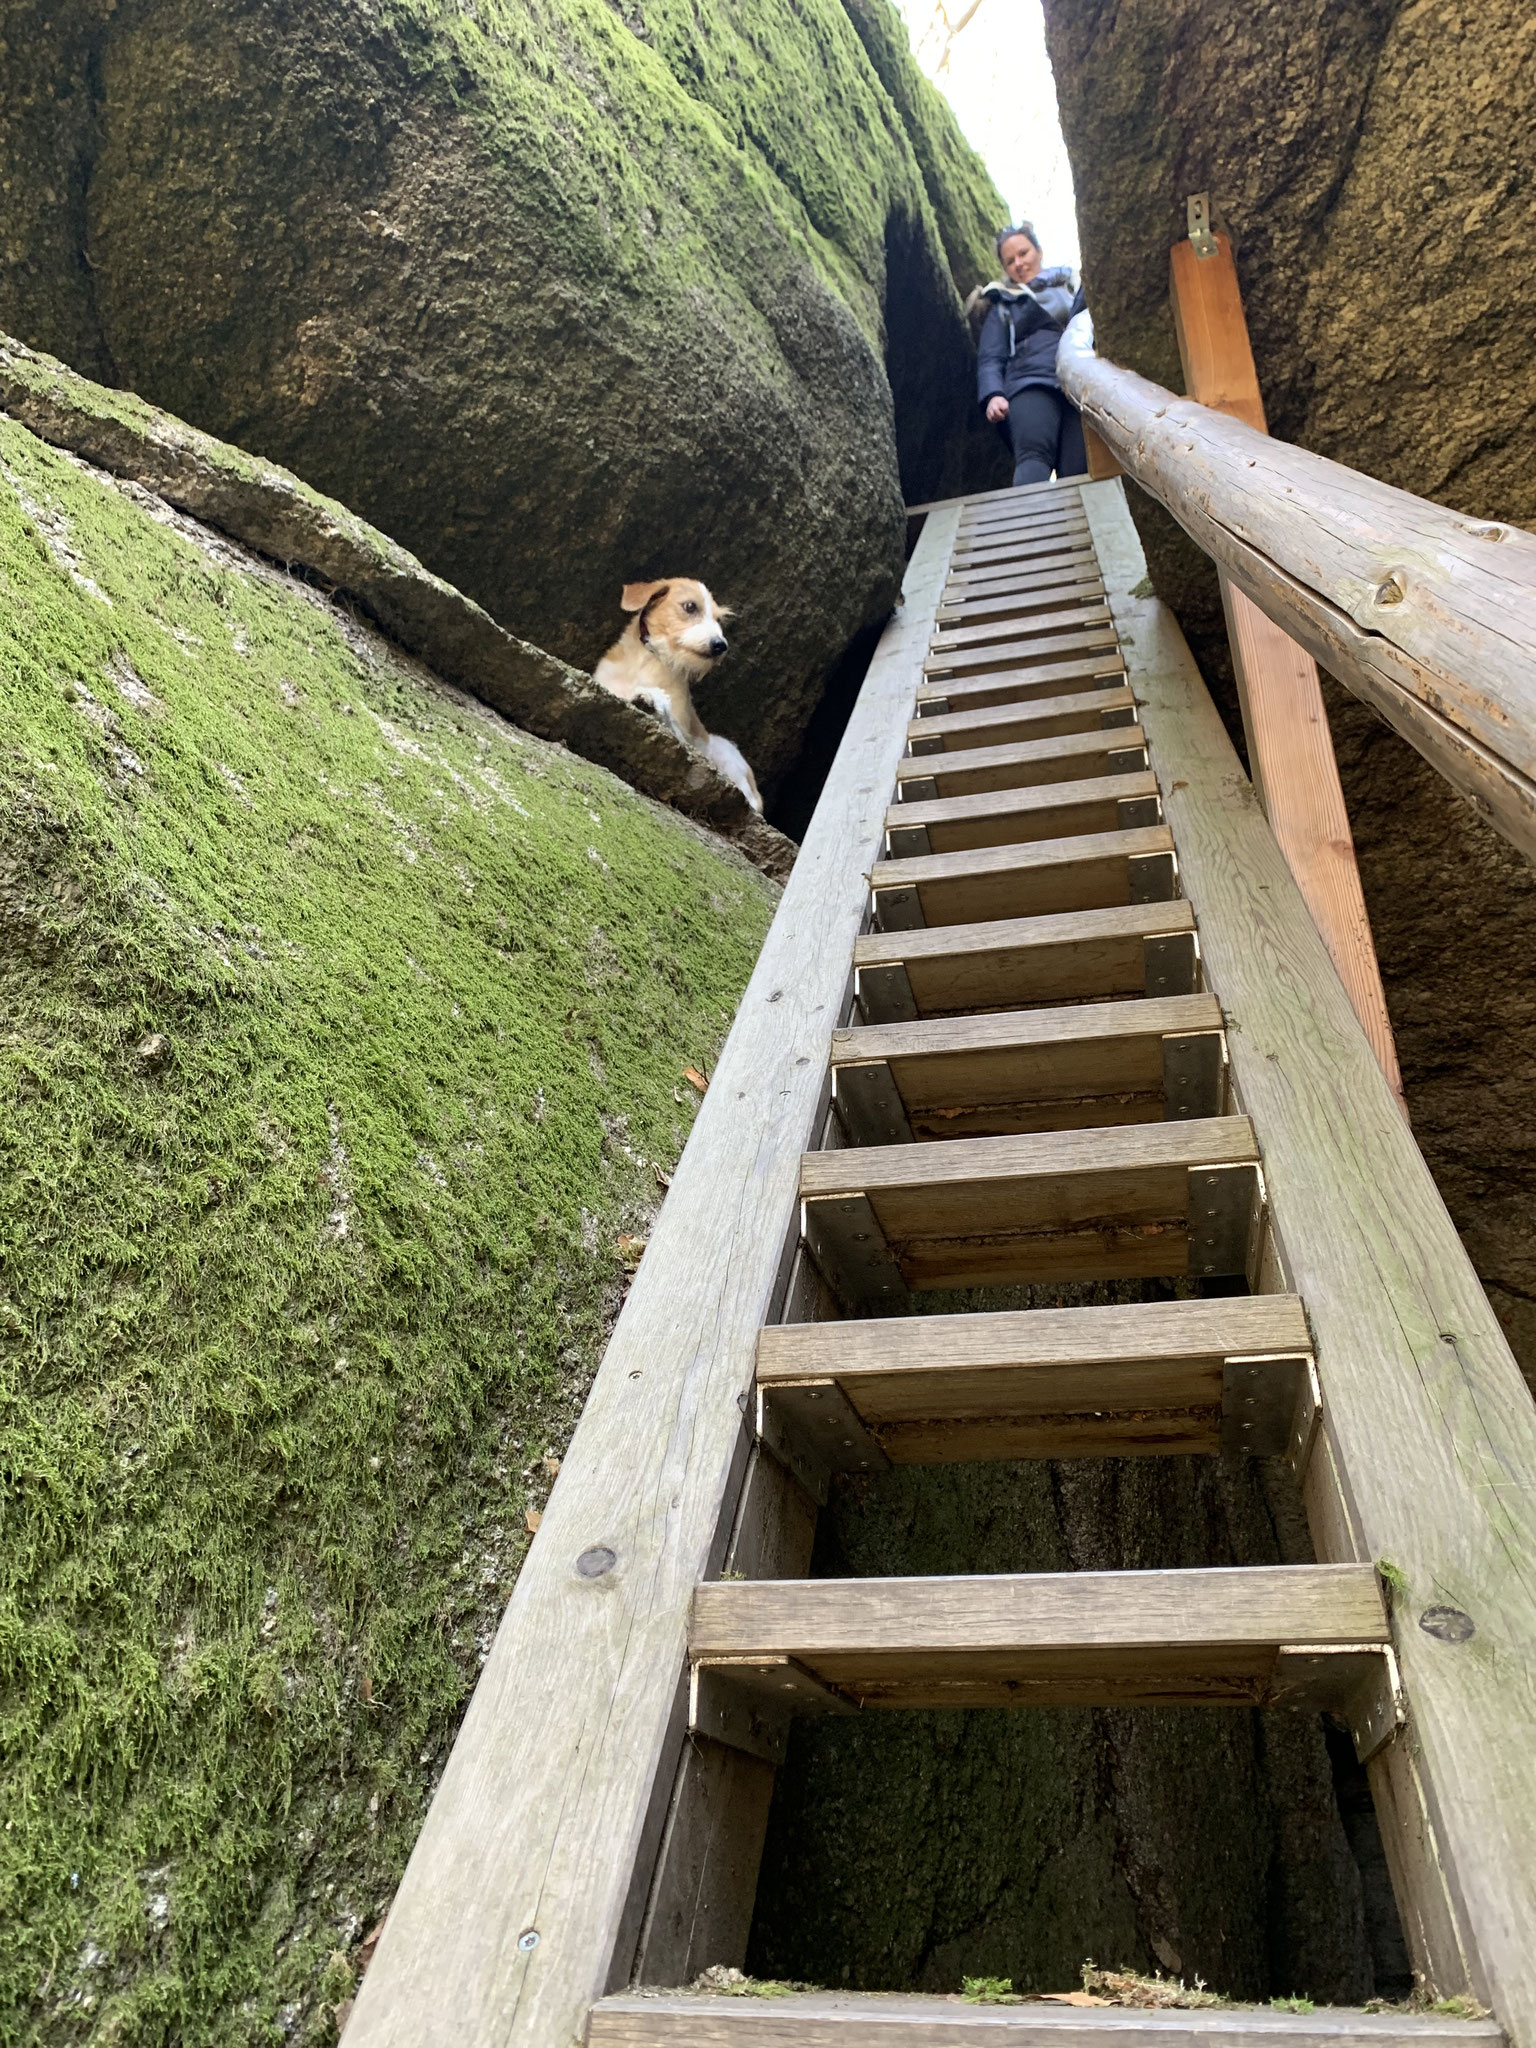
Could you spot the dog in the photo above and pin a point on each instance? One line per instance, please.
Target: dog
(674, 636)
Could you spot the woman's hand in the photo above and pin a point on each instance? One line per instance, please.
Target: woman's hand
(997, 409)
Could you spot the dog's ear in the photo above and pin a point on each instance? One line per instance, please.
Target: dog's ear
(725, 611)
(635, 596)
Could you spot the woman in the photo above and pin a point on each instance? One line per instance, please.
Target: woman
(1016, 361)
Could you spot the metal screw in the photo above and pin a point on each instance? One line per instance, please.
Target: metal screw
(528, 1939)
(594, 1562)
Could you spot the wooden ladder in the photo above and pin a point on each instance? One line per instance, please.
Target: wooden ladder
(1042, 1004)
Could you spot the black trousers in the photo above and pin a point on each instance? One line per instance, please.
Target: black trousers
(1046, 430)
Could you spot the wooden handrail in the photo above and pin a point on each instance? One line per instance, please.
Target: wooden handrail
(1426, 615)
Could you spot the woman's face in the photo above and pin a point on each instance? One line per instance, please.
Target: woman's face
(1021, 259)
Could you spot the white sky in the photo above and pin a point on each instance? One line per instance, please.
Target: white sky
(1000, 85)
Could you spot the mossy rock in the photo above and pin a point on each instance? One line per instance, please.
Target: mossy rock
(342, 1054)
(557, 294)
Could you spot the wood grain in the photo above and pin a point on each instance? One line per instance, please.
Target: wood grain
(1003, 817)
(1428, 616)
(1021, 652)
(1019, 622)
(834, 2019)
(1425, 1411)
(1290, 749)
(991, 964)
(527, 1831)
(1089, 872)
(1066, 757)
(1090, 710)
(1019, 685)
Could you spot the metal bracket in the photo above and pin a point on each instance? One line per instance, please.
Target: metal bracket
(1172, 964)
(924, 743)
(1225, 1205)
(884, 994)
(820, 1425)
(1259, 1400)
(900, 910)
(1132, 812)
(1153, 877)
(917, 789)
(746, 1702)
(1357, 1682)
(1109, 720)
(869, 1104)
(1198, 214)
(1126, 760)
(907, 842)
(933, 707)
(1193, 1076)
(849, 1247)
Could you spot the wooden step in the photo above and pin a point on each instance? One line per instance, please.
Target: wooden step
(1037, 593)
(1021, 764)
(1004, 817)
(952, 970)
(1132, 1202)
(1146, 1380)
(1103, 706)
(1023, 652)
(1072, 541)
(1004, 543)
(1020, 685)
(1255, 1636)
(989, 518)
(1153, 1061)
(1069, 561)
(888, 2019)
(1018, 624)
(1089, 872)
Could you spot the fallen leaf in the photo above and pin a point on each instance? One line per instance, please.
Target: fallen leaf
(532, 1519)
(343, 2014)
(695, 1079)
(368, 1944)
(630, 1249)
(1069, 1998)
(663, 1180)
(365, 1686)
(551, 1464)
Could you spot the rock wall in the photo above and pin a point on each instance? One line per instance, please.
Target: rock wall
(556, 294)
(342, 1060)
(1372, 163)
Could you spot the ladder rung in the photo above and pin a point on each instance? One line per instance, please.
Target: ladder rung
(1071, 540)
(1129, 950)
(1021, 764)
(983, 518)
(1098, 709)
(1235, 1636)
(1019, 685)
(1020, 624)
(1021, 653)
(1037, 594)
(1035, 1070)
(1005, 817)
(886, 2019)
(1091, 872)
(1005, 543)
(1158, 1377)
(1133, 1201)
(1076, 557)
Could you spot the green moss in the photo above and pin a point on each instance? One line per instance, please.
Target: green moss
(343, 1029)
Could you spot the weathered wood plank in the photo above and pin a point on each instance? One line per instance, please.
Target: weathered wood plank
(1091, 872)
(1038, 594)
(841, 2019)
(1427, 1417)
(1019, 623)
(1290, 749)
(1047, 1638)
(1021, 652)
(1428, 616)
(548, 1816)
(1123, 1202)
(1075, 560)
(1065, 757)
(1091, 710)
(1067, 541)
(1050, 1383)
(1012, 493)
(1003, 817)
(990, 965)
(1017, 686)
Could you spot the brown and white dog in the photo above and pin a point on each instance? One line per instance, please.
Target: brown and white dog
(675, 636)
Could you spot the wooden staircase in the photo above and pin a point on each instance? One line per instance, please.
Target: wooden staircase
(1042, 1004)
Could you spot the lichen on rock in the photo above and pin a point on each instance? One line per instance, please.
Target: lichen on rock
(344, 1028)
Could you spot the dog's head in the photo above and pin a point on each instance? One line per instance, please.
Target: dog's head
(680, 621)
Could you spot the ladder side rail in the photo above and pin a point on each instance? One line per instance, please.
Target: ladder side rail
(1426, 615)
(523, 1897)
(1426, 1456)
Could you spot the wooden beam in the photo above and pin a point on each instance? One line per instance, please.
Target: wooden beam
(1064, 757)
(1091, 710)
(1427, 616)
(1078, 1638)
(1092, 872)
(1290, 749)
(1019, 622)
(1427, 1422)
(1019, 686)
(845, 2019)
(991, 965)
(1003, 817)
(523, 1899)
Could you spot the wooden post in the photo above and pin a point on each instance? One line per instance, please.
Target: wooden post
(1290, 749)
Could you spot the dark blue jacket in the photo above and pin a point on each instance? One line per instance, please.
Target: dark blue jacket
(1021, 333)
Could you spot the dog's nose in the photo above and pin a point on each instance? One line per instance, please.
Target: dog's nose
(717, 647)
